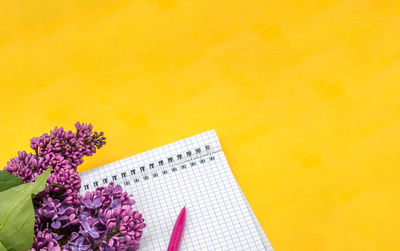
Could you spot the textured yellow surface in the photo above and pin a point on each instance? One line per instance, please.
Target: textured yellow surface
(304, 95)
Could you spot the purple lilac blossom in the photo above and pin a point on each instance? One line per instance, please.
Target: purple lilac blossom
(64, 151)
(45, 240)
(105, 221)
(64, 220)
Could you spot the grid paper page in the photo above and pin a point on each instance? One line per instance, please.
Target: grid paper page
(192, 172)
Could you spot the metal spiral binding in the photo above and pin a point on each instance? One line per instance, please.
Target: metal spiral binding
(157, 168)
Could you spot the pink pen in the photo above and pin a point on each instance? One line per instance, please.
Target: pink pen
(177, 232)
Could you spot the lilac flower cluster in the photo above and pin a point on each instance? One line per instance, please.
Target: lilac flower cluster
(101, 220)
(104, 220)
(63, 150)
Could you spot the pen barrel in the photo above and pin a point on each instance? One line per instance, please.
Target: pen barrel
(175, 237)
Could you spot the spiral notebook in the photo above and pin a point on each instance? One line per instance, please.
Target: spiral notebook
(192, 172)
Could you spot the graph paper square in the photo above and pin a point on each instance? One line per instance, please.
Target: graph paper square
(194, 173)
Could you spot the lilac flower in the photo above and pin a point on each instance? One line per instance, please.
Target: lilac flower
(100, 220)
(108, 221)
(105, 247)
(56, 224)
(112, 245)
(78, 244)
(49, 208)
(45, 240)
(120, 217)
(63, 150)
(72, 198)
(92, 204)
(89, 227)
(115, 204)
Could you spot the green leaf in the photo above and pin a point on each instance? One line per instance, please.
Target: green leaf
(17, 216)
(2, 248)
(7, 180)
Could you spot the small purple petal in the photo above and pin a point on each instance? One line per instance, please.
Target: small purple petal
(115, 204)
(56, 224)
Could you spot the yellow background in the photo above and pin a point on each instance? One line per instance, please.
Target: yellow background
(304, 96)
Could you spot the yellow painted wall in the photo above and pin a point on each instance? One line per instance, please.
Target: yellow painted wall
(304, 95)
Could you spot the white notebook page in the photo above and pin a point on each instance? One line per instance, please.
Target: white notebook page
(192, 172)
